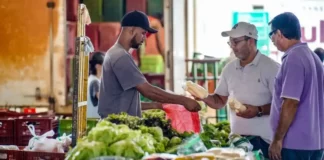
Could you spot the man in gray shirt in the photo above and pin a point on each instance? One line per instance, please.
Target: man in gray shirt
(122, 81)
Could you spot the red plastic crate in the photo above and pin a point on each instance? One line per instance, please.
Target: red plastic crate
(92, 31)
(7, 132)
(30, 155)
(139, 5)
(42, 125)
(156, 79)
(11, 155)
(71, 10)
(4, 113)
(108, 34)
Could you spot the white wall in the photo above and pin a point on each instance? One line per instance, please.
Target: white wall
(213, 17)
(178, 44)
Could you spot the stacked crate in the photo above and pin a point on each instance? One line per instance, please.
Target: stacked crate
(7, 130)
(42, 125)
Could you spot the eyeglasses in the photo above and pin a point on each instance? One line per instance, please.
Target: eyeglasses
(234, 43)
(271, 33)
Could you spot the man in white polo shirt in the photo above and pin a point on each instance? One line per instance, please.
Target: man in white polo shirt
(250, 80)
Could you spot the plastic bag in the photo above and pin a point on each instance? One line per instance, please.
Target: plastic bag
(42, 143)
(237, 141)
(65, 141)
(192, 145)
(255, 155)
(181, 119)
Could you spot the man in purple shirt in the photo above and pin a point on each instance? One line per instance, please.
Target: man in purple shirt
(297, 111)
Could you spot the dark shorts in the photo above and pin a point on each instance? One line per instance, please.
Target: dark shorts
(291, 154)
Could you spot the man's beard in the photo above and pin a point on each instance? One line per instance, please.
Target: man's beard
(134, 44)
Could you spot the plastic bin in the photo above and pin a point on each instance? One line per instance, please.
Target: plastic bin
(7, 132)
(30, 155)
(11, 155)
(42, 125)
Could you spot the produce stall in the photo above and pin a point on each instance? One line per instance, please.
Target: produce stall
(121, 136)
(157, 135)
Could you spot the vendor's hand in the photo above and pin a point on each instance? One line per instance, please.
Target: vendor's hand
(250, 112)
(192, 105)
(275, 150)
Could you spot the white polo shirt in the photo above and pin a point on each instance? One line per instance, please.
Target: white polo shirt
(253, 85)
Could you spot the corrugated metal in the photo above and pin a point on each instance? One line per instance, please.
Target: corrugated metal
(139, 5)
(108, 34)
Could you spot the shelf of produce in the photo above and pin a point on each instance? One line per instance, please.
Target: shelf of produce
(132, 136)
(29, 155)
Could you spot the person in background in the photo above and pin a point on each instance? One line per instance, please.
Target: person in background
(153, 42)
(297, 111)
(95, 68)
(249, 79)
(320, 53)
(122, 80)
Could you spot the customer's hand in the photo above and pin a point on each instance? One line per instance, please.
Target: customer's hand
(275, 150)
(192, 105)
(250, 112)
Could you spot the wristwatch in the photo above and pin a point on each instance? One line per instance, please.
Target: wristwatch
(260, 113)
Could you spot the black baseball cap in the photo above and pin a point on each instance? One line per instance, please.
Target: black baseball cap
(137, 19)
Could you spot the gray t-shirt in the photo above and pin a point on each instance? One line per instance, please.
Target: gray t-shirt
(120, 76)
(93, 89)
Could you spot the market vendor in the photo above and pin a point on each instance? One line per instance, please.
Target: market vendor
(249, 79)
(122, 81)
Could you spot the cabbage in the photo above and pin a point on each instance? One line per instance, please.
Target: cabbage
(156, 132)
(145, 141)
(126, 148)
(87, 150)
(108, 134)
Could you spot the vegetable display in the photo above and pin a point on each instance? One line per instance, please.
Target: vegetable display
(216, 135)
(133, 137)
